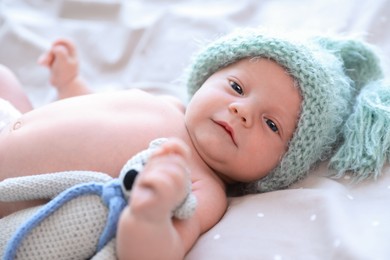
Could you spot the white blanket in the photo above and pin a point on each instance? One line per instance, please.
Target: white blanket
(148, 43)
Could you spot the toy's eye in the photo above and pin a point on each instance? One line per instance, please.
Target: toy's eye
(129, 178)
(272, 125)
(237, 88)
(128, 175)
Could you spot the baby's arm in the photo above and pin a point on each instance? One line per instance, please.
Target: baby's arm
(146, 229)
(62, 61)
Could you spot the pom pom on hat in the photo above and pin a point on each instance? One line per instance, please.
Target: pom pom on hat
(366, 144)
(360, 62)
(330, 73)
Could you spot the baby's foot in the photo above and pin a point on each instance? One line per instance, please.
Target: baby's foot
(63, 64)
(163, 183)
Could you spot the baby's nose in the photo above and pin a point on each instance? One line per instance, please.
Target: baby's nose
(242, 113)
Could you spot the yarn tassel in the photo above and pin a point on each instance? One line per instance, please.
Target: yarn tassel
(366, 144)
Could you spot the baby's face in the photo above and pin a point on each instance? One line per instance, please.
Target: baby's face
(243, 117)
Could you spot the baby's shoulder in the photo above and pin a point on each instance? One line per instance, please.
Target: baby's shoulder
(176, 102)
(212, 200)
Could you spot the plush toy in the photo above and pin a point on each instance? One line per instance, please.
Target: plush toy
(81, 218)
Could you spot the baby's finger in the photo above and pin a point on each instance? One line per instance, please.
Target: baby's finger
(165, 175)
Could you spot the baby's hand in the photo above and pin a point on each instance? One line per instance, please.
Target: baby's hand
(162, 185)
(62, 62)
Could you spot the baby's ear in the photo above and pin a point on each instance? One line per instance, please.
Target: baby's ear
(366, 140)
(360, 61)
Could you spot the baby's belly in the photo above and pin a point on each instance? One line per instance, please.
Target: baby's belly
(95, 139)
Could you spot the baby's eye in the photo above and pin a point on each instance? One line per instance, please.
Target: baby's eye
(236, 87)
(272, 125)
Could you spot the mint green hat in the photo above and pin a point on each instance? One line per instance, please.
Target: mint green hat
(345, 114)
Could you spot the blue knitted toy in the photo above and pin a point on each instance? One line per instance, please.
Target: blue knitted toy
(113, 193)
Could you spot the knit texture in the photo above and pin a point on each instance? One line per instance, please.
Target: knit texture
(330, 72)
(78, 224)
(80, 221)
(366, 135)
(46, 186)
(71, 232)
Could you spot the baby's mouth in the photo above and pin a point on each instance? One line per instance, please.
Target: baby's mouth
(228, 129)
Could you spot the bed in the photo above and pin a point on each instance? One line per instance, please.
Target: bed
(147, 44)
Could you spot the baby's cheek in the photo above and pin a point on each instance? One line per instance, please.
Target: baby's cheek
(267, 161)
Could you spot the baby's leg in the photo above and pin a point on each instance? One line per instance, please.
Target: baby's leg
(11, 90)
(62, 61)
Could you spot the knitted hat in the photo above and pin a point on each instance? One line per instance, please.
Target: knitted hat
(330, 73)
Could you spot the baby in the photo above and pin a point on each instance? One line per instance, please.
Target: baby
(264, 110)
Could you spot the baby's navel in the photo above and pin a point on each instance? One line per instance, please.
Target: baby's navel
(17, 125)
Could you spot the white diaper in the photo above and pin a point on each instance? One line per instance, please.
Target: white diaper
(8, 113)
